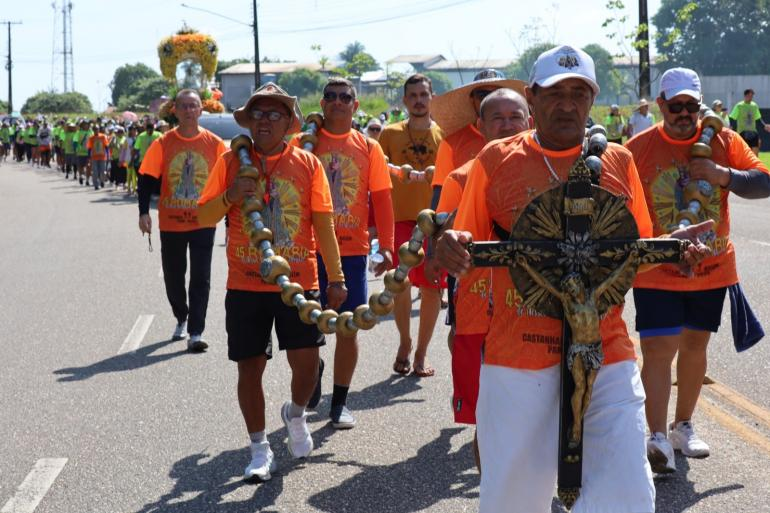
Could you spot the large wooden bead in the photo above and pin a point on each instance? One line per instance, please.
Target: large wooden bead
(240, 141)
(429, 171)
(363, 318)
(251, 204)
(342, 327)
(426, 222)
(306, 309)
(323, 321)
(257, 236)
(406, 169)
(272, 267)
(289, 291)
(248, 172)
(700, 150)
(393, 285)
(308, 138)
(408, 257)
(378, 307)
(315, 117)
(713, 121)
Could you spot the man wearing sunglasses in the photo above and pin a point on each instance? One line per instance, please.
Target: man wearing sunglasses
(676, 312)
(298, 212)
(356, 171)
(414, 142)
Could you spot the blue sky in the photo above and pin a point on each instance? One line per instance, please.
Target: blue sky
(109, 33)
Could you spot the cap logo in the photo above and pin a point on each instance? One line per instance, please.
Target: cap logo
(569, 61)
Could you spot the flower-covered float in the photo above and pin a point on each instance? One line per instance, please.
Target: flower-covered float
(188, 60)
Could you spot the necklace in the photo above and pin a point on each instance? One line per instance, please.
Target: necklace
(420, 151)
(268, 174)
(554, 178)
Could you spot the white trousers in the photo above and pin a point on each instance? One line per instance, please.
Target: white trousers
(518, 430)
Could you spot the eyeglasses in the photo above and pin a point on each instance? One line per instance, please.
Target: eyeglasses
(331, 96)
(374, 129)
(272, 115)
(480, 94)
(676, 108)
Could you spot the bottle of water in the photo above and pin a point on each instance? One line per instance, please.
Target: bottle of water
(375, 258)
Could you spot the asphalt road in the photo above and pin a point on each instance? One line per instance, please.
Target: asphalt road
(87, 429)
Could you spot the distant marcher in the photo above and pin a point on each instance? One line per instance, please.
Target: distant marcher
(746, 115)
(98, 152)
(614, 123)
(374, 128)
(717, 107)
(640, 120)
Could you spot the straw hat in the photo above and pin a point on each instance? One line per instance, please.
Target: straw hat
(272, 91)
(454, 109)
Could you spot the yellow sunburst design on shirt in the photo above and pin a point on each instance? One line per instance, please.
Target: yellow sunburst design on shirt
(282, 213)
(343, 176)
(187, 175)
(667, 200)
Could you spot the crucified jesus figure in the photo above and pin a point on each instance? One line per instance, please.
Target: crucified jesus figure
(585, 356)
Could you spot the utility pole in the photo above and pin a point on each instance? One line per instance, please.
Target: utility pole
(69, 68)
(9, 65)
(257, 74)
(644, 51)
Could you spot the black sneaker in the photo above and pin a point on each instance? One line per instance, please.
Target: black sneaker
(316, 397)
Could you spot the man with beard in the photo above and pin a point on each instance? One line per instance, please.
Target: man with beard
(414, 142)
(677, 312)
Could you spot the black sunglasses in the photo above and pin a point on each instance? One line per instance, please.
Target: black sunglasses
(374, 129)
(676, 108)
(331, 96)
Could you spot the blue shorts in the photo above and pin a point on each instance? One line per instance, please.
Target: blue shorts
(354, 269)
(667, 312)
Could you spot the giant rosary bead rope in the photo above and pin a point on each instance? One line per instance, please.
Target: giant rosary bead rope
(274, 269)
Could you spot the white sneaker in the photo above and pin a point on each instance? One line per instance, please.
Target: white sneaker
(660, 454)
(300, 442)
(262, 463)
(684, 439)
(196, 344)
(180, 331)
(342, 418)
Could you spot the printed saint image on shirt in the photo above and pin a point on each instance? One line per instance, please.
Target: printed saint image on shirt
(282, 212)
(187, 175)
(669, 199)
(342, 174)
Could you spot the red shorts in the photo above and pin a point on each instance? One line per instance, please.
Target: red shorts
(466, 367)
(401, 234)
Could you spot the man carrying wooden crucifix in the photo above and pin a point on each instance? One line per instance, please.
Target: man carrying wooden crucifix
(518, 405)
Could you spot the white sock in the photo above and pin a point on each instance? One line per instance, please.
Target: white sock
(295, 410)
(258, 437)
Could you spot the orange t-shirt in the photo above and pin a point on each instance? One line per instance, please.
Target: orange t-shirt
(297, 188)
(472, 297)
(354, 167)
(456, 150)
(418, 149)
(184, 164)
(98, 145)
(658, 158)
(505, 177)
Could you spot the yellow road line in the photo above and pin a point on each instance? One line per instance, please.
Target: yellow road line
(735, 425)
(728, 394)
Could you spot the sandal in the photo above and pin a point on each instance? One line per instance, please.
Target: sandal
(423, 371)
(402, 366)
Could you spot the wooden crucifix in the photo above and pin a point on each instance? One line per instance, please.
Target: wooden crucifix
(572, 254)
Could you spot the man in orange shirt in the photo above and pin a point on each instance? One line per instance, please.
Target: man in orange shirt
(677, 312)
(457, 113)
(98, 151)
(518, 403)
(355, 168)
(414, 142)
(298, 204)
(181, 159)
(503, 113)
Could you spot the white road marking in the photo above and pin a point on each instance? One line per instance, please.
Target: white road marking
(35, 486)
(761, 243)
(136, 335)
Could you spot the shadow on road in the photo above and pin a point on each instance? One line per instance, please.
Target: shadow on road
(142, 357)
(116, 199)
(406, 486)
(676, 493)
(387, 392)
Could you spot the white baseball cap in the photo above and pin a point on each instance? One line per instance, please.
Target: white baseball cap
(678, 81)
(561, 63)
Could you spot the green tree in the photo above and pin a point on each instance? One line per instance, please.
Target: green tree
(147, 90)
(222, 65)
(715, 38)
(4, 106)
(126, 77)
(302, 82)
(49, 102)
(351, 50)
(523, 65)
(361, 63)
(439, 81)
(609, 78)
